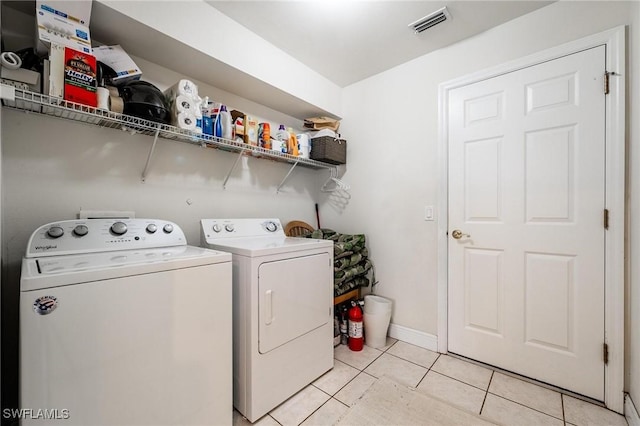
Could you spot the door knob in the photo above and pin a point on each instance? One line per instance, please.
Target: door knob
(457, 234)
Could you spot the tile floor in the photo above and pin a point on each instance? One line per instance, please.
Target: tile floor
(492, 394)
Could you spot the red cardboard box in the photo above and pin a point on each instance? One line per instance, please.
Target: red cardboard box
(80, 83)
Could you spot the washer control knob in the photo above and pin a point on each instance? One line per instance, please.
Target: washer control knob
(81, 230)
(229, 227)
(119, 228)
(55, 232)
(168, 228)
(217, 228)
(152, 228)
(271, 227)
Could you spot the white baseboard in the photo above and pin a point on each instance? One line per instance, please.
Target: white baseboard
(415, 337)
(630, 412)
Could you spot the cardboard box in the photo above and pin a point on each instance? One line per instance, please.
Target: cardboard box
(75, 10)
(21, 75)
(55, 76)
(57, 26)
(73, 75)
(119, 61)
(250, 130)
(238, 122)
(318, 123)
(80, 84)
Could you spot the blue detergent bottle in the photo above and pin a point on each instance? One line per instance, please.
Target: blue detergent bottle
(217, 127)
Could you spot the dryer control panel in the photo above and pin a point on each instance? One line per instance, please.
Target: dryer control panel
(101, 235)
(234, 228)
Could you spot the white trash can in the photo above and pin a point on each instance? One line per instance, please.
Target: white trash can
(377, 314)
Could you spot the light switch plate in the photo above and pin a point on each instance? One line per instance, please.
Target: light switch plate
(428, 213)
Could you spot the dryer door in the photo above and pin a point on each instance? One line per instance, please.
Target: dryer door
(295, 297)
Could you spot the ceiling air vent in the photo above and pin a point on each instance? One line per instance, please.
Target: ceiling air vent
(430, 20)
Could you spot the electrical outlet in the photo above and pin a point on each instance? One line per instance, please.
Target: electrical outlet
(428, 213)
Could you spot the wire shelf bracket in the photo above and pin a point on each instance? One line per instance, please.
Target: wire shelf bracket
(286, 177)
(153, 147)
(235, 163)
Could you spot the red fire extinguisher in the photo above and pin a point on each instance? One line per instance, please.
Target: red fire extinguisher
(356, 339)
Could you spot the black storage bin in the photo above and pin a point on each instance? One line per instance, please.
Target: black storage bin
(329, 150)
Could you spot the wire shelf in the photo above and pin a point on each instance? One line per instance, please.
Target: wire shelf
(31, 102)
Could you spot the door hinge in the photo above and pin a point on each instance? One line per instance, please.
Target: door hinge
(605, 218)
(606, 82)
(605, 353)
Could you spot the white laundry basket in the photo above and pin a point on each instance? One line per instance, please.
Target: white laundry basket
(377, 314)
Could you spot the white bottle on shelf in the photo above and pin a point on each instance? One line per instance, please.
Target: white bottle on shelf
(226, 123)
(280, 143)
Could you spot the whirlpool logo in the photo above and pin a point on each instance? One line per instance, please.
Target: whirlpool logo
(47, 247)
(45, 305)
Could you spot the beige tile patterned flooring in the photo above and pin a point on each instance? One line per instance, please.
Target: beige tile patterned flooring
(494, 395)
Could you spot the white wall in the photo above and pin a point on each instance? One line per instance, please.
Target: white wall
(392, 123)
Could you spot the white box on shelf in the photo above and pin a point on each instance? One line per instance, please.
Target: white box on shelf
(32, 78)
(54, 25)
(120, 61)
(56, 71)
(78, 10)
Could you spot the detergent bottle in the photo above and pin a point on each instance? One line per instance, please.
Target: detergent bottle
(226, 124)
(292, 147)
(281, 141)
(217, 125)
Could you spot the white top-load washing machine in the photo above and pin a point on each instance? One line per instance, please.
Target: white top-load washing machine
(122, 323)
(282, 310)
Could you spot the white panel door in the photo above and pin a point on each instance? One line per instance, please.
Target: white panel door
(527, 192)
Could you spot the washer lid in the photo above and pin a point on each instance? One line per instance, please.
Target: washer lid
(52, 271)
(262, 246)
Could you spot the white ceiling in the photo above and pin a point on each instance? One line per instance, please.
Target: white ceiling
(349, 40)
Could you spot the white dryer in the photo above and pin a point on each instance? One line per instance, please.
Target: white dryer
(122, 323)
(282, 310)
